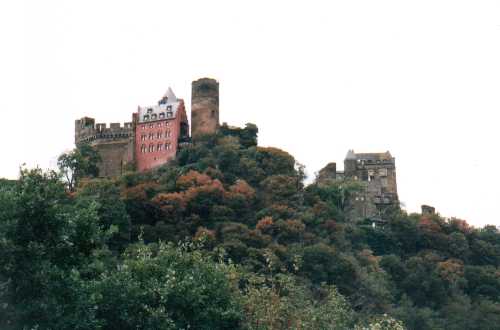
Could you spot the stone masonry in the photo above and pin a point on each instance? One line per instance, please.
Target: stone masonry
(376, 172)
(204, 107)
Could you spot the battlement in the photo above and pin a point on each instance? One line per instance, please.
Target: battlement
(87, 131)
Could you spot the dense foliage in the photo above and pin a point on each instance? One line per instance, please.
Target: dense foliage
(228, 237)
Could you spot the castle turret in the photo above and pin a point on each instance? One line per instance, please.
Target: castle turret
(350, 164)
(204, 107)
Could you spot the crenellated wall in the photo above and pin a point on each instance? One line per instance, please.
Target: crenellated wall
(115, 144)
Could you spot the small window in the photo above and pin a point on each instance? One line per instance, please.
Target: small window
(169, 108)
(159, 147)
(158, 135)
(151, 148)
(167, 133)
(146, 117)
(162, 115)
(150, 110)
(151, 125)
(143, 137)
(143, 148)
(169, 114)
(143, 126)
(154, 116)
(167, 146)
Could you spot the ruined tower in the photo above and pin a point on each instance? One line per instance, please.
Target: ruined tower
(377, 174)
(204, 107)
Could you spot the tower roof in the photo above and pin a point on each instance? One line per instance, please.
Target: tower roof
(169, 94)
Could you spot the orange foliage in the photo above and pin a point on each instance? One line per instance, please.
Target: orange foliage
(192, 179)
(265, 225)
(171, 203)
(429, 225)
(210, 187)
(243, 188)
(295, 226)
(461, 225)
(451, 270)
(139, 192)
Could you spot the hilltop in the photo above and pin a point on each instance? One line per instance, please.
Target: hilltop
(227, 236)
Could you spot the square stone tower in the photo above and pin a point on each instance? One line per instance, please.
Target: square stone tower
(377, 173)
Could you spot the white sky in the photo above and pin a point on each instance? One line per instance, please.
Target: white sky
(418, 78)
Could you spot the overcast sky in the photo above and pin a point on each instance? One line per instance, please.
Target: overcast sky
(418, 78)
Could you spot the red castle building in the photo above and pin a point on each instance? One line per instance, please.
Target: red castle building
(155, 133)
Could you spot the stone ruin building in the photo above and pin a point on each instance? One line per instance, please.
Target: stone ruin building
(376, 172)
(156, 132)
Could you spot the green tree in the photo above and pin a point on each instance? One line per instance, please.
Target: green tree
(78, 163)
(167, 287)
(46, 247)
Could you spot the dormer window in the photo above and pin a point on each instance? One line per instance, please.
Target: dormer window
(153, 116)
(146, 117)
(162, 115)
(169, 114)
(169, 108)
(150, 110)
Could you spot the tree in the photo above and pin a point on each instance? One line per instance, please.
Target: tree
(167, 287)
(47, 246)
(78, 163)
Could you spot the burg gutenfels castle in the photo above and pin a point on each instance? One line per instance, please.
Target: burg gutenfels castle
(157, 132)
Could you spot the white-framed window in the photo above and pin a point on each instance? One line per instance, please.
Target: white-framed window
(159, 135)
(168, 146)
(143, 126)
(167, 133)
(143, 137)
(143, 148)
(151, 148)
(159, 147)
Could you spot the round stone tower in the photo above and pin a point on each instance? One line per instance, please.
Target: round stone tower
(204, 107)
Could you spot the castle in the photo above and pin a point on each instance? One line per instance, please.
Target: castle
(376, 173)
(156, 132)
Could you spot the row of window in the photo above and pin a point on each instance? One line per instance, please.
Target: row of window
(151, 125)
(154, 116)
(159, 147)
(158, 135)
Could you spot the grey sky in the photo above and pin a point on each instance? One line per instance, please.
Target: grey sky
(419, 78)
